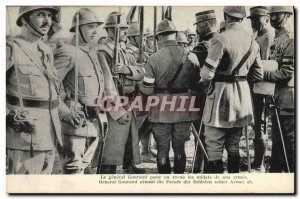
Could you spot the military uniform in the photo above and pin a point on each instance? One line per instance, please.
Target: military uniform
(168, 125)
(201, 51)
(282, 50)
(228, 106)
(118, 135)
(94, 83)
(264, 39)
(33, 152)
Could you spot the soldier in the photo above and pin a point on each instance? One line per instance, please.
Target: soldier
(171, 72)
(206, 23)
(228, 106)
(191, 36)
(149, 47)
(181, 39)
(118, 135)
(94, 82)
(282, 50)
(260, 22)
(32, 121)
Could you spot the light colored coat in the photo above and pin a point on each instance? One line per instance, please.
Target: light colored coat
(230, 105)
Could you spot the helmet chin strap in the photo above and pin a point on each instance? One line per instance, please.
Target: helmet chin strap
(31, 26)
(81, 35)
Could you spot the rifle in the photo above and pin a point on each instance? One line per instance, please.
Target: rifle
(118, 79)
(154, 29)
(141, 19)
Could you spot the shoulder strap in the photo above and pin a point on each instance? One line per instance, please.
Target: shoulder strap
(183, 59)
(246, 56)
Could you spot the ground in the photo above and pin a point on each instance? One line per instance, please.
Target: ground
(149, 162)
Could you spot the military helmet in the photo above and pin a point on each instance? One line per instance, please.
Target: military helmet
(181, 37)
(134, 30)
(149, 32)
(285, 9)
(235, 11)
(190, 32)
(111, 20)
(165, 26)
(86, 16)
(23, 10)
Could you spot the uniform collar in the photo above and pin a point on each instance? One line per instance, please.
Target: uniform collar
(169, 43)
(234, 25)
(283, 30)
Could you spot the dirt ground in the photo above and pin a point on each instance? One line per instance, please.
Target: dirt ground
(149, 162)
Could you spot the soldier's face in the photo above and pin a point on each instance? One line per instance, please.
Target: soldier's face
(258, 23)
(89, 31)
(278, 19)
(41, 20)
(191, 38)
(182, 44)
(123, 34)
(201, 29)
(150, 42)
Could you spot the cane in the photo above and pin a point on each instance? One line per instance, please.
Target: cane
(280, 132)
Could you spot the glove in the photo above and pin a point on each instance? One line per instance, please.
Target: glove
(78, 118)
(20, 122)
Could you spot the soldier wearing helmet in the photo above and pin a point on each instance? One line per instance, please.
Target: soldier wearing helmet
(182, 39)
(264, 33)
(206, 23)
(171, 72)
(149, 46)
(228, 106)
(120, 137)
(94, 82)
(191, 37)
(282, 51)
(33, 126)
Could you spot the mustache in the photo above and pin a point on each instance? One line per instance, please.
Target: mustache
(45, 24)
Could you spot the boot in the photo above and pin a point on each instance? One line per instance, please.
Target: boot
(259, 153)
(132, 169)
(215, 166)
(233, 163)
(145, 145)
(179, 163)
(164, 166)
(108, 169)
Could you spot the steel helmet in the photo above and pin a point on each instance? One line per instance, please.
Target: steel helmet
(86, 16)
(23, 10)
(285, 9)
(111, 20)
(181, 37)
(235, 11)
(165, 26)
(190, 32)
(134, 30)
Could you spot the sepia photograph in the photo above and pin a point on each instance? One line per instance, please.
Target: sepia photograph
(150, 99)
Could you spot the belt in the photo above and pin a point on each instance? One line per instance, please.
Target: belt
(229, 78)
(171, 91)
(32, 103)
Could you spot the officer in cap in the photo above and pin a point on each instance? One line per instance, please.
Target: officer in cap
(282, 50)
(170, 73)
(229, 64)
(206, 23)
(121, 137)
(94, 82)
(264, 33)
(33, 128)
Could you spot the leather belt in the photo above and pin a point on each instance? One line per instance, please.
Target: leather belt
(32, 103)
(171, 91)
(229, 78)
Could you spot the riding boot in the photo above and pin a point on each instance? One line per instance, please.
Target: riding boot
(179, 163)
(233, 163)
(259, 153)
(215, 166)
(108, 169)
(164, 166)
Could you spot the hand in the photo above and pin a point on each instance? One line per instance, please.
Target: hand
(76, 118)
(20, 122)
(193, 59)
(206, 74)
(125, 119)
(121, 69)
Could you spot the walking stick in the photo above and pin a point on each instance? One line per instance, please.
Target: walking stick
(247, 147)
(280, 132)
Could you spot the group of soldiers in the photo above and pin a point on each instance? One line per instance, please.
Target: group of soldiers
(54, 93)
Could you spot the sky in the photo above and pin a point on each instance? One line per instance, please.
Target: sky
(183, 16)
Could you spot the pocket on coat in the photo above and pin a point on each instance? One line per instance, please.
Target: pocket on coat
(31, 76)
(208, 109)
